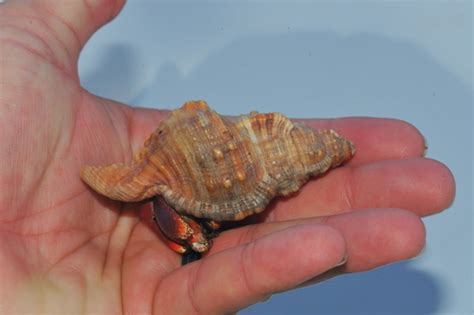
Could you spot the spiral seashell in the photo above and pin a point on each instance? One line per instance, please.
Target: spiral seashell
(209, 166)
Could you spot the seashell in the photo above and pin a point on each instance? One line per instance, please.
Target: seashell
(207, 166)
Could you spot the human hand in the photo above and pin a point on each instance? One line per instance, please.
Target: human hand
(65, 249)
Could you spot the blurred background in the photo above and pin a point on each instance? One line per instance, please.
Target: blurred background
(410, 60)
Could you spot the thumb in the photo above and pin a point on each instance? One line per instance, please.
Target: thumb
(76, 21)
(64, 23)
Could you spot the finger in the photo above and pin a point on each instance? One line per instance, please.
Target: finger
(376, 138)
(243, 275)
(422, 185)
(376, 237)
(58, 28)
(373, 237)
(75, 21)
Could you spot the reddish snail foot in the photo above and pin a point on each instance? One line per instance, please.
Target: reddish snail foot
(184, 233)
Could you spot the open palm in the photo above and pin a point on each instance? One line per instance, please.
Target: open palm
(65, 249)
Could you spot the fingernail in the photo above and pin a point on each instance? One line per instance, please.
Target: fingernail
(342, 262)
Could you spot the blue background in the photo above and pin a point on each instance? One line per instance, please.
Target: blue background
(410, 60)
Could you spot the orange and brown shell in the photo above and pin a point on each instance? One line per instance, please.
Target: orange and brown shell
(208, 166)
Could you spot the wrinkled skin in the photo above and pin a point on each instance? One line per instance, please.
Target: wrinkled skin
(64, 248)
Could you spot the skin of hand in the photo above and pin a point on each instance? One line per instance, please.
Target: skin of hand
(65, 249)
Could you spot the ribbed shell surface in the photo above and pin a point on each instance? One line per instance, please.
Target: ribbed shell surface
(208, 166)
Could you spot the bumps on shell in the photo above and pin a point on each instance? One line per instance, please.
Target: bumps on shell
(208, 166)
